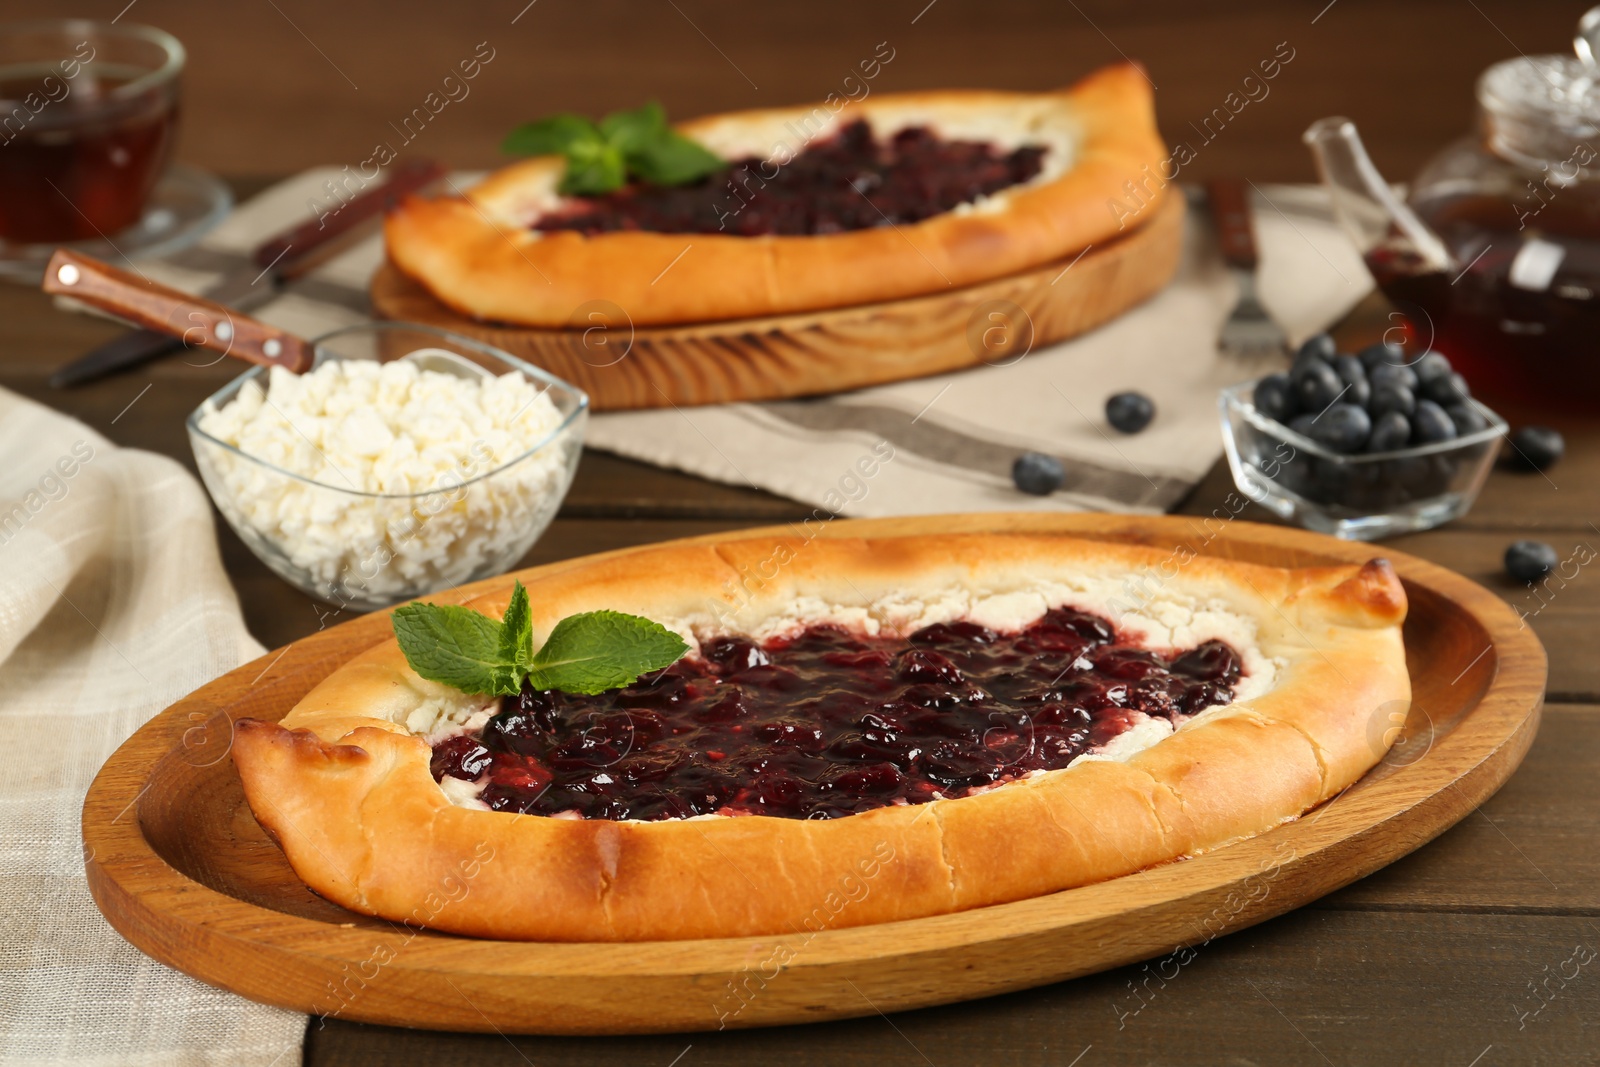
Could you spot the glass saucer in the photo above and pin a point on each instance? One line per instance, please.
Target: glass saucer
(185, 205)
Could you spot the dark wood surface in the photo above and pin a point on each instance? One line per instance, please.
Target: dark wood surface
(1429, 960)
(1433, 960)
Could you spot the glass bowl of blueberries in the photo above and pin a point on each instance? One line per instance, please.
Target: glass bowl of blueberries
(1360, 446)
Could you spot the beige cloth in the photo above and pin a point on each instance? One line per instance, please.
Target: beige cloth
(113, 604)
(931, 444)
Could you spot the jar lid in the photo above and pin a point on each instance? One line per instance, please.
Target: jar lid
(1541, 108)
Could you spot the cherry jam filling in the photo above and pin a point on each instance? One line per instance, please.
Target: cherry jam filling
(850, 181)
(831, 723)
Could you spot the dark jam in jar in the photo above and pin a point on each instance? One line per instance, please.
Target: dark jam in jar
(1519, 313)
(830, 723)
(850, 181)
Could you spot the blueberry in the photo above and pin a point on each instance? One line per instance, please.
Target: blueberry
(1392, 397)
(1037, 473)
(1274, 399)
(1334, 479)
(1468, 419)
(1390, 374)
(1450, 389)
(1315, 384)
(1354, 376)
(1343, 428)
(1317, 346)
(1528, 561)
(1130, 412)
(1302, 424)
(1431, 424)
(1390, 432)
(1432, 367)
(1412, 473)
(1537, 448)
(1381, 354)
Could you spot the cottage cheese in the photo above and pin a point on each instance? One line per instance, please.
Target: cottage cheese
(390, 498)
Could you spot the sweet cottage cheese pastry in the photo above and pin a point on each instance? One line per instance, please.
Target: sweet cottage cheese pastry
(830, 205)
(959, 720)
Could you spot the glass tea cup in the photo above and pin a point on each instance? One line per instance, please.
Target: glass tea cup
(88, 116)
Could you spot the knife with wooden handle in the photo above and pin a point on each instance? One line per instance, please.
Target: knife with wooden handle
(195, 321)
(281, 256)
(1230, 210)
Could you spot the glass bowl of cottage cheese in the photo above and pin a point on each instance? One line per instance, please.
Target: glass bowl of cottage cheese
(376, 478)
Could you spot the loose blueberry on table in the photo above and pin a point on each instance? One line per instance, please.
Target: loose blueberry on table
(1537, 448)
(1529, 561)
(1130, 412)
(1038, 474)
(830, 723)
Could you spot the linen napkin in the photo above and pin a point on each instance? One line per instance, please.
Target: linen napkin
(113, 604)
(930, 444)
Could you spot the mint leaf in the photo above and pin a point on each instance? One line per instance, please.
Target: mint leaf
(555, 135)
(601, 157)
(593, 168)
(600, 650)
(586, 654)
(632, 130)
(454, 646)
(516, 632)
(673, 159)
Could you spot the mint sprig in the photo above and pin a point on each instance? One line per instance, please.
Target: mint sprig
(601, 156)
(584, 654)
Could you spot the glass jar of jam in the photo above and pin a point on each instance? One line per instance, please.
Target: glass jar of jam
(1494, 256)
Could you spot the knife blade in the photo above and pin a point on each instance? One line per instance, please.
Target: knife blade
(256, 282)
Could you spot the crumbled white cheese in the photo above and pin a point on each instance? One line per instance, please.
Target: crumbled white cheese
(1145, 732)
(393, 500)
(464, 794)
(447, 715)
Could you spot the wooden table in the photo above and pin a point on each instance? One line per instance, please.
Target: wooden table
(1433, 960)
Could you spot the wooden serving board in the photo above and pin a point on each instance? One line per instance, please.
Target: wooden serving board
(179, 866)
(622, 366)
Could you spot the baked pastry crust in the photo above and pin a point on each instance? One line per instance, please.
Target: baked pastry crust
(477, 255)
(345, 788)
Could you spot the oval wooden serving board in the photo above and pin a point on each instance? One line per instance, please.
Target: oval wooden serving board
(622, 366)
(179, 866)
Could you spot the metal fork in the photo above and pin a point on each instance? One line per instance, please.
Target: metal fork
(1250, 333)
